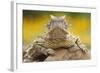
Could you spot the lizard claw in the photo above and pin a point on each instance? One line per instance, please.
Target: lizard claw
(50, 51)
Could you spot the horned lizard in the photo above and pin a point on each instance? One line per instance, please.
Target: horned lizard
(57, 44)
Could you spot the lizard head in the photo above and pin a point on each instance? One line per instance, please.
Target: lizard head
(58, 27)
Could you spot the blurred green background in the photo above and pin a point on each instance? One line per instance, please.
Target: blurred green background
(34, 24)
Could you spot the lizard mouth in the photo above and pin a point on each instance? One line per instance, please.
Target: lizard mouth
(58, 33)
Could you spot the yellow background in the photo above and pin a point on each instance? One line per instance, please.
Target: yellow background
(34, 24)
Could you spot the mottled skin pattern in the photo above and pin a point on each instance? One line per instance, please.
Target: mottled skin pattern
(57, 44)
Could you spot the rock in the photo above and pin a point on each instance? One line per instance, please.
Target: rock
(64, 54)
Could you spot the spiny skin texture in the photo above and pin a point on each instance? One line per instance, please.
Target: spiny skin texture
(57, 44)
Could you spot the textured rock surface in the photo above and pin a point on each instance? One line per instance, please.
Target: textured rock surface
(57, 44)
(63, 54)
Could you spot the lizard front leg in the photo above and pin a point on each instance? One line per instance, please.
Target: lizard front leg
(81, 45)
(37, 52)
